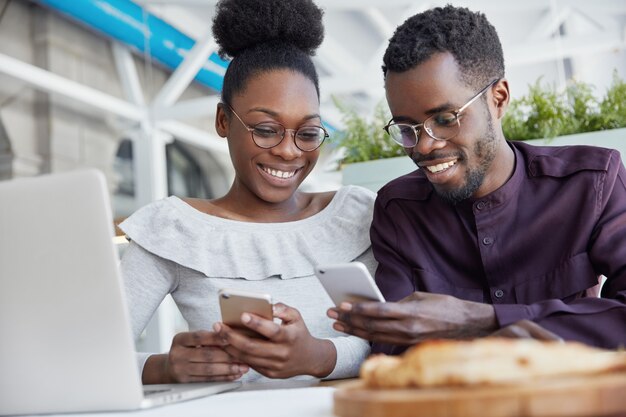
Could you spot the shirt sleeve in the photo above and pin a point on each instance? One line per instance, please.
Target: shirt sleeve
(393, 275)
(351, 352)
(147, 280)
(595, 321)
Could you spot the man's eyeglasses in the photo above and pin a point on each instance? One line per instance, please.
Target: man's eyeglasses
(268, 134)
(440, 126)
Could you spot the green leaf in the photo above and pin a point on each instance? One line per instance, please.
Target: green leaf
(364, 138)
(546, 113)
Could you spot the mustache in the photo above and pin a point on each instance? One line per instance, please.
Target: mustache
(419, 158)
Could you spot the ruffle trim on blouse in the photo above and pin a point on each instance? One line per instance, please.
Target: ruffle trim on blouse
(217, 247)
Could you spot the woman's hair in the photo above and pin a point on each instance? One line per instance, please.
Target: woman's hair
(266, 35)
(467, 35)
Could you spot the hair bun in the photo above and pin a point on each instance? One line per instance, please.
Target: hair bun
(242, 24)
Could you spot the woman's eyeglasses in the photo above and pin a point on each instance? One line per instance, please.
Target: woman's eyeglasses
(269, 134)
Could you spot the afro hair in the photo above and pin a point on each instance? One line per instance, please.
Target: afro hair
(467, 35)
(265, 35)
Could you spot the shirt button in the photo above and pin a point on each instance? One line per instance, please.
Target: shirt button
(498, 293)
(488, 241)
(481, 205)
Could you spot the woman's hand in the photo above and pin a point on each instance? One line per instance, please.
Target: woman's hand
(193, 357)
(287, 350)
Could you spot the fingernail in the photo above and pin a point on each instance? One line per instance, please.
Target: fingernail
(277, 309)
(245, 318)
(346, 306)
(217, 327)
(332, 314)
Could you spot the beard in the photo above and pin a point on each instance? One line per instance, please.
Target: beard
(484, 152)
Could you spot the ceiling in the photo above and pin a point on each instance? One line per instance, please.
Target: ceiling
(553, 39)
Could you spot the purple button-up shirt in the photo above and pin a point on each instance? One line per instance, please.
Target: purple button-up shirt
(535, 248)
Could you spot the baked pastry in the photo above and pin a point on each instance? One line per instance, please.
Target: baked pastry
(486, 361)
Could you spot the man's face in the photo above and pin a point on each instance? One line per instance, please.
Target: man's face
(462, 166)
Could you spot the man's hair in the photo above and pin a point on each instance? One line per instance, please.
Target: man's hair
(467, 35)
(266, 35)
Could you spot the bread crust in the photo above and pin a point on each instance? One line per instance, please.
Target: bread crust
(487, 361)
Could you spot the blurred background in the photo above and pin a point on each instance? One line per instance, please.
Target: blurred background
(131, 87)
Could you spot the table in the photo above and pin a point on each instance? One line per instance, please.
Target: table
(258, 399)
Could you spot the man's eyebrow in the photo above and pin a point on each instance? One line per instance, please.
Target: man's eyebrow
(439, 109)
(429, 112)
(276, 115)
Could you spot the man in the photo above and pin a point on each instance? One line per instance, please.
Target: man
(486, 232)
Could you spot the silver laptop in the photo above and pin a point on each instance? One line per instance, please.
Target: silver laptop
(65, 338)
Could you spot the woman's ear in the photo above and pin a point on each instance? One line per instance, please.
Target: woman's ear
(501, 97)
(221, 121)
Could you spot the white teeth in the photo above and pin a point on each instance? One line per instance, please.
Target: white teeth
(440, 167)
(279, 174)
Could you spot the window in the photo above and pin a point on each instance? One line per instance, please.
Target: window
(188, 171)
(6, 154)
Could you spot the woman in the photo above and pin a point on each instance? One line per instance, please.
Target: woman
(264, 234)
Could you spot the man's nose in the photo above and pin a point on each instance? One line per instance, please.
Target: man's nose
(426, 143)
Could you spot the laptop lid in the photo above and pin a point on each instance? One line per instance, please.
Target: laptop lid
(66, 343)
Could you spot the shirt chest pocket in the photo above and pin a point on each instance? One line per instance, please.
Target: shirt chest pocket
(430, 282)
(574, 278)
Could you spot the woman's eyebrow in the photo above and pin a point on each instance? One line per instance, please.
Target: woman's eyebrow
(275, 114)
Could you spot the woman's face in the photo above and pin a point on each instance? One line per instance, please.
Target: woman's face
(281, 96)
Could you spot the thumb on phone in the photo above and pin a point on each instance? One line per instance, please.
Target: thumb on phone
(285, 313)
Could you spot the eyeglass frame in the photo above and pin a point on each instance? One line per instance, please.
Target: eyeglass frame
(417, 128)
(250, 128)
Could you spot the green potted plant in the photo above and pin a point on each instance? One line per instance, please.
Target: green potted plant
(369, 157)
(543, 116)
(570, 117)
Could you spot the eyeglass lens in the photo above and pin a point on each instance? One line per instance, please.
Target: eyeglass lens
(307, 138)
(440, 126)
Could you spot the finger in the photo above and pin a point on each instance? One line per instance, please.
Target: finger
(262, 326)
(223, 378)
(258, 361)
(333, 313)
(539, 332)
(374, 309)
(215, 369)
(376, 325)
(208, 355)
(416, 296)
(285, 313)
(198, 338)
(512, 331)
(535, 331)
(243, 345)
(247, 350)
(394, 339)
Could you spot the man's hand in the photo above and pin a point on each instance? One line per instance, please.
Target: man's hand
(418, 317)
(526, 329)
(288, 350)
(193, 357)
